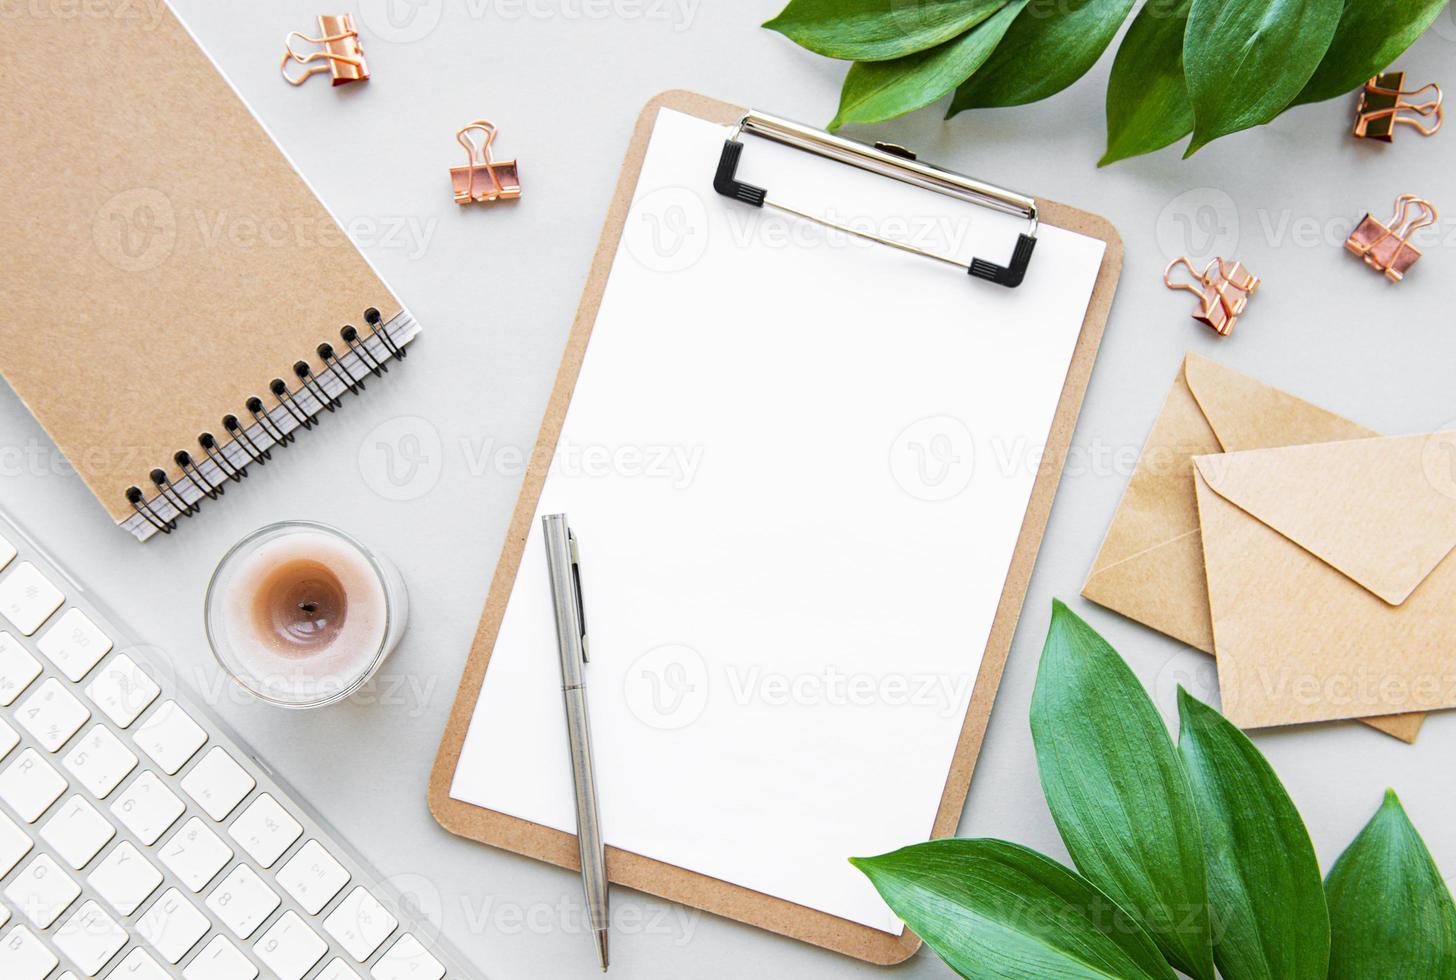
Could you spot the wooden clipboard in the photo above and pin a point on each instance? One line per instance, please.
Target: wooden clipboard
(675, 883)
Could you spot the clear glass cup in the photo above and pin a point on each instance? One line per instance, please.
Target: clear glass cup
(301, 615)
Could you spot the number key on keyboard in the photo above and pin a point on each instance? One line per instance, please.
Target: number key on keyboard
(195, 854)
(74, 644)
(122, 690)
(17, 668)
(217, 783)
(265, 830)
(148, 807)
(28, 598)
(243, 901)
(124, 878)
(52, 714)
(100, 761)
(170, 737)
(30, 785)
(290, 948)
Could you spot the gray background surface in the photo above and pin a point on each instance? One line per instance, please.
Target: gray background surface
(496, 289)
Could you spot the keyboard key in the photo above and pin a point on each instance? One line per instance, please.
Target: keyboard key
(360, 924)
(100, 761)
(17, 668)
(30, 785)
(9, 739)
(14, 845)
(74, 644)
(7, 551)
(28, 598)
(242, 902)
(91, 938)
(313, 877)
(290, 948)
(170, 737)
(24, 957)
(220, 960)
(42, 891)
(172, 926)
(52, 714)
(122, 690)
(265, 830)
(77, 832)
(407, 960)
(148, 807)
(337, 970)
(195, 854)
(124, 878)
(217, 783)
(139, 965)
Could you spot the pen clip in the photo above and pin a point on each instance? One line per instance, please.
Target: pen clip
(576, 591)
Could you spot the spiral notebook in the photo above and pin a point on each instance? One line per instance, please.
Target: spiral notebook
(808, 474)
(177, 303)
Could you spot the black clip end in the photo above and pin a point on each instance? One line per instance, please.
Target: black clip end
(1011, 275)
(726, 182)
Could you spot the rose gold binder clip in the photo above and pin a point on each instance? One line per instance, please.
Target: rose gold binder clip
(1222, 288)
(484, 179)
(1386, 247)
(1384, 106)
(340, 39)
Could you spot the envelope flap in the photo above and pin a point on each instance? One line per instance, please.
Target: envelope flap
(1248, 414)
(1382, 510)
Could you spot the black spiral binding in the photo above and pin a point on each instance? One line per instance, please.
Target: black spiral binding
(334, 366)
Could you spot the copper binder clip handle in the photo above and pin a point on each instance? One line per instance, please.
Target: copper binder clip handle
(501, 176)
(1222, 289)
(1384, 105)
(341, 49)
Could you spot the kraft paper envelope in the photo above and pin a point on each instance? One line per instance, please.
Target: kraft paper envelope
(1150, 566)
(1328, 577)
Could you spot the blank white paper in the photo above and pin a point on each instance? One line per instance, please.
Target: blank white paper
(797, 465)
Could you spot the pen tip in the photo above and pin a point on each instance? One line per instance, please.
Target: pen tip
(602, 948)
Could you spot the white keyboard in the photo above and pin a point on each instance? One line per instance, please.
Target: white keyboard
(139, 840)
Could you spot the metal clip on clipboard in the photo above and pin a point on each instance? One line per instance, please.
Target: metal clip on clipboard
(888, 161)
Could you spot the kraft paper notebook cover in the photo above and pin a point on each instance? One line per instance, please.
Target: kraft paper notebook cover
(815, 436)
(166, 264)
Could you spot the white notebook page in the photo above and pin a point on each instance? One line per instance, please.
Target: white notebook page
(797, 465)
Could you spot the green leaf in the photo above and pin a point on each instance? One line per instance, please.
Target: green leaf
(1264, 884)
(878, 90)
(874, 30)
(996, 909)
(1147, 97)
(1246, 60)
(1371, 34)
(1117, 791)
(1051, 45)
(1391, 915)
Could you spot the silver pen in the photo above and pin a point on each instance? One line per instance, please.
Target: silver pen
(563, 567)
